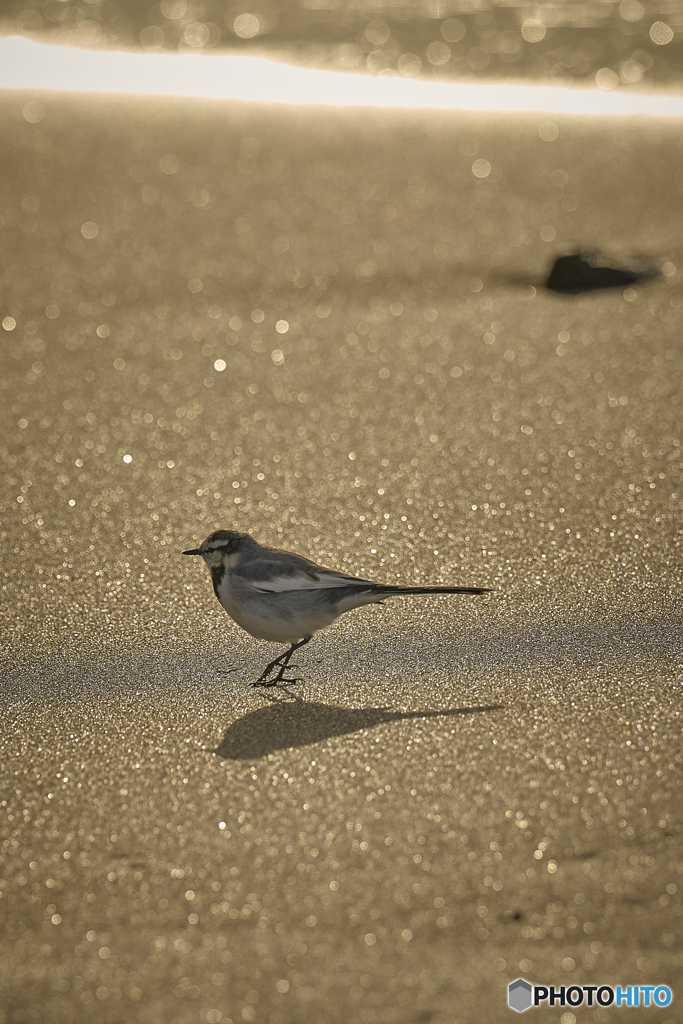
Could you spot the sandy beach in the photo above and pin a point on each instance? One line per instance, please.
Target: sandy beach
(328, 328)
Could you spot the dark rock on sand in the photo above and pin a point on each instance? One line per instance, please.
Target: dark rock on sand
(586, 272)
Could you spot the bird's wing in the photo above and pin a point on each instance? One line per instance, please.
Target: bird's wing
(277, 577)
(319, 581)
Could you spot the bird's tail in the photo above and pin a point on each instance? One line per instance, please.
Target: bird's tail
(389, 590)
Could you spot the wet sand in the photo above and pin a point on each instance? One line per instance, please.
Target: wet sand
(459, 791)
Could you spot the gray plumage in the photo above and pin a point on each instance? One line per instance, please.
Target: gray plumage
(283, 597)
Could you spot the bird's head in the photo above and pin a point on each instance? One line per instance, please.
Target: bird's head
(223, 547)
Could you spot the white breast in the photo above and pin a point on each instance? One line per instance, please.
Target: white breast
(282, 618)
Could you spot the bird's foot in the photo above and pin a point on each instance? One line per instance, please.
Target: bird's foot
(277, 663)
(276, 681)
(263, 679)
(282, 664)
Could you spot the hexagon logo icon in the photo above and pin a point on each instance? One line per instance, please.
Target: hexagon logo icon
(520, 995)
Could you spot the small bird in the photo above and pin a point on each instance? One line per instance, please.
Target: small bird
(286, 598)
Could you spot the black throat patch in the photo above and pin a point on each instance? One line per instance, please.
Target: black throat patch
(217, 575)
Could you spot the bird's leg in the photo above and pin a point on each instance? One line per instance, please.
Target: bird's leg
(281, 663)
(275, 663)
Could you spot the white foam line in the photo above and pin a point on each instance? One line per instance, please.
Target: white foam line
(27, 65)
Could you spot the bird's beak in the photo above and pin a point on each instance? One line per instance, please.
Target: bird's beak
(194, 551)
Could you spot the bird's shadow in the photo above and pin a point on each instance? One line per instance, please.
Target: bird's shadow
(294, 722)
